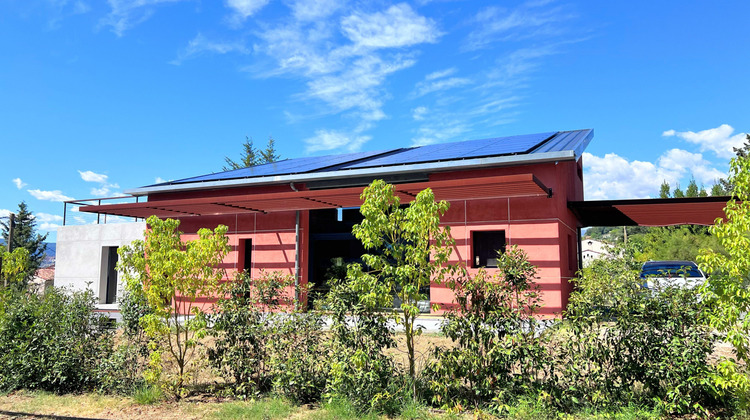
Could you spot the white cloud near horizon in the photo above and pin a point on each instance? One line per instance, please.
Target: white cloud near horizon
(720, 140)
(19, 184)
(55, 195)
(4, 212)
(46, 217)
(614, 177)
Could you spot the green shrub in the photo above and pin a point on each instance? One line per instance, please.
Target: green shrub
(299, 359)
(643, 347)
(498, 352)
(360, 372)
(52, 342)
(148, 394)
(244, 326)
(123, 371)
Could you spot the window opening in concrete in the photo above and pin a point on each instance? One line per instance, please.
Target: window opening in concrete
(485, 247)
(111, 275)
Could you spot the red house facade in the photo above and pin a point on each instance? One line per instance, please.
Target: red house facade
(296, 215)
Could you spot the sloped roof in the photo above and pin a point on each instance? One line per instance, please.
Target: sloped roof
(528, 148)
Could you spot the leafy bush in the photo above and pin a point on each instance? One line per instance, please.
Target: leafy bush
(642, 347)
(123, 371)
(52, 342)
(299, 361)
(498, 353)
(360, 372)
(244, 326)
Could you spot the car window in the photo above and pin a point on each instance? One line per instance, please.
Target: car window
(670, 270)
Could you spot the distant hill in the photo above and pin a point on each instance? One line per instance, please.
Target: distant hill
(49, 254)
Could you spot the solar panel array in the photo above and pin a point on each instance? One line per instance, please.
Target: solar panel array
(460, 150)
(499, 146)
(284, 167)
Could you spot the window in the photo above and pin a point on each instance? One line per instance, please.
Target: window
(109, 278)
(246, 255)
(485, 246)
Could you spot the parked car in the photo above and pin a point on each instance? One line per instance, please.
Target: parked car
(660, 274)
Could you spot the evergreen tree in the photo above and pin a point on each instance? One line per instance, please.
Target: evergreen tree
(664, 191)
(252, 156)
(25, 236)
(741, 152)
(677, 193)
(718, 190)
(692, 189)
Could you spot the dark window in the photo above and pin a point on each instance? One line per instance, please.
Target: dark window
(486, 245)
(111, 293)
(246, 250)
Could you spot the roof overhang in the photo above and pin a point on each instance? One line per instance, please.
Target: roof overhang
(482, 187)
(441, 166)
(650, 211)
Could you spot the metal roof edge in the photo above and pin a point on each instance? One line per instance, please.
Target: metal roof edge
(346, 173)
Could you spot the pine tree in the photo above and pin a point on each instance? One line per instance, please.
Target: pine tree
(664, 191)
(677, 193)
(692, 189)
(252, 156)
(25, 236)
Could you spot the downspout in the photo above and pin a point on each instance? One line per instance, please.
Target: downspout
(296, 253)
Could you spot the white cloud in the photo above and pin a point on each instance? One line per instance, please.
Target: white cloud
(4, 212)
(357, 88)
(718, 140)
(331, 139)
(46, 217)
(429, 86)
(398, 26)
(311, 10)
(125, 14)
(19, 184)
(90, 176)
(614, 177)
(200, 44)
(48, 226)
(419, 113)
(104, 189)
(494, 24)
(159, 180)
(439, 132)
(55, 195)
(245, 8)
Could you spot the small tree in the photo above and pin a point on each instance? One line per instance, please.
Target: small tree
(409, 250)
(251, 156)
(726, 290)
(25, 236)
(172, 275)
(14, 267)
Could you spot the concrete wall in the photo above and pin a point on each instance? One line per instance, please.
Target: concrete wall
(81, 260)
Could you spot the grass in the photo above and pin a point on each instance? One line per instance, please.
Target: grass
(266, 409)
(148, 395)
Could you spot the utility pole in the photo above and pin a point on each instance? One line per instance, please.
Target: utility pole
(11, 227)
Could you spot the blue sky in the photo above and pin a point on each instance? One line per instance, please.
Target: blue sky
(99, 97)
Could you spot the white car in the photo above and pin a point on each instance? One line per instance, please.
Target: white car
(660, 274)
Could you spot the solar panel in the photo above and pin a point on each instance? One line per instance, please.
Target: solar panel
(459, 150)
(284, 167)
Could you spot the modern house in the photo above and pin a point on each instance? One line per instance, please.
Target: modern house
(296, 215)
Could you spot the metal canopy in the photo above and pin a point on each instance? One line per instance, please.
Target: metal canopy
(650, 212)
(484, 187)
